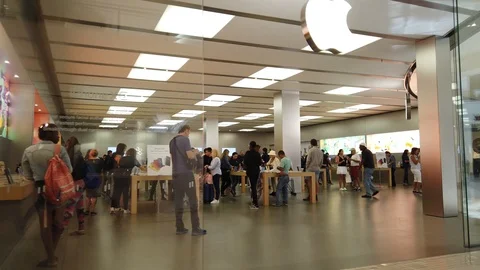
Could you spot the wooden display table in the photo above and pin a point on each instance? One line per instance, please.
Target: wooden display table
(382, 170)
(16, 191)
(266, 192)
(243, 175)
(167, 178)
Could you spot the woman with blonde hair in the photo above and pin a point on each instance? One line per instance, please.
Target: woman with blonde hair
(416, 168)
(216, 171)
(226, 168)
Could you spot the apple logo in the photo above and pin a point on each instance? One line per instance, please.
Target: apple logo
(324, 25)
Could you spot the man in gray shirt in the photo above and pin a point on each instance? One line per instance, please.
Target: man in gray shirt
(392, 164)
(314, 163)
(184, 181)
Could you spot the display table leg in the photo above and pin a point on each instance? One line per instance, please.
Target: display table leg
(313, 190)
(244, 188)
(134, 198)
(266, 195)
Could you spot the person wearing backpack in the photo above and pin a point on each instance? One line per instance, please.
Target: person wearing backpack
(35, 165)
(93, 180)
(77, 204)
(122, 179)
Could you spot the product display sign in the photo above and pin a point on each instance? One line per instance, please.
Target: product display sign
(159, 161)
(332, 146)
(381, 159)
(395, 142)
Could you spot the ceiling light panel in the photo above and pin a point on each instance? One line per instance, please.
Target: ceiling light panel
(217, 100)
(150, 74)
(253, 116)
(253, 83)
(346, 91)
(272, 73)
(265, 126)
(308, 118)
(160, 62)
(344, 110)
(247, 130)
(304, 103)
(158, 128)
(227, 124)
(169, 122)
(133, 95)
(121, 110)
(188, 113)
(108, 126)
(363, 107)
(192, 22)
(109, 120)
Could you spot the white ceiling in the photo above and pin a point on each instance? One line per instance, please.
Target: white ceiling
(95, 43)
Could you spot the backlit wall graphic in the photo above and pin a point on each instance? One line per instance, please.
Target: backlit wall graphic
(332, 146)
(395, 142)
(4, 103)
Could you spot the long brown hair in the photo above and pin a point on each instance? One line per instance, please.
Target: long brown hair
(70, 146)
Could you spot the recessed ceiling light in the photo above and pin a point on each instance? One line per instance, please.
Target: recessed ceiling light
(7, 62)
(121, 110)
(253, 83)
(201, 129)
(188, 113)
(108, 126)
(305, 103)
(192, 22)
(133, 95)
(247, 130)
(39, 110)
(345, 91)
(16, 76)
(36, 105)
(272, 73)
(227, 124)
(169, 122)
(344, 110)
(160, 61)
(158, 128)
(253, 116)
(217, 100)
(110, 120)
(308, 118)
(266, 126)
(363, 106)
(150, 74)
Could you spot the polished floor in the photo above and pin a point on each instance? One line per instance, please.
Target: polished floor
(342, 231)
(462, 261)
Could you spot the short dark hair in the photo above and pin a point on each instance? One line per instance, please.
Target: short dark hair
(121, 148)
(314, 142)
(109, 151)
(281, 153)
(234, 153)
(387, 152)
(253, 144)
(265, 149)
(208, 149)
(132, 152)
(48, 132)
(184, 128)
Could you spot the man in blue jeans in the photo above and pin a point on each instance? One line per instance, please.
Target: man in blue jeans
(282, 187)
(368, 166)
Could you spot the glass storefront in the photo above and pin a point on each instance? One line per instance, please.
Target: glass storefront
(466, 69)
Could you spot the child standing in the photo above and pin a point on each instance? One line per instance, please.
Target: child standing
(282, 187)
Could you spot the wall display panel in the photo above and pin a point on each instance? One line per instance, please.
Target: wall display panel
(395, 142)
(332, 146)
(4, 103)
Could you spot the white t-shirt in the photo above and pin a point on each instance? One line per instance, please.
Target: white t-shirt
(414, 166)
(356, 157)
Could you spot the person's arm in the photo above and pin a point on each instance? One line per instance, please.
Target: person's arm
(337, 159)
(309, 159)
(27, 170)
(214, 164)
(415, 160)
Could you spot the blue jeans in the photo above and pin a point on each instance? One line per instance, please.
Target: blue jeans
(282, 189)
(367, 181)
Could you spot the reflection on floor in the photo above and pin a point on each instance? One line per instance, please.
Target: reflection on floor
(341, 231)
(473, 189)
(462, 261)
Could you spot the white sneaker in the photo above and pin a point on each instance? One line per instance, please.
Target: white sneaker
(215, 202)
(126, 211)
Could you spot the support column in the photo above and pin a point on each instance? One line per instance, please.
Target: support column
(210, 128)
(287, 128)
(436, 121)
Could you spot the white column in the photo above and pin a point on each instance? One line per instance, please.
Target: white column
(210, 128)
(287, 128)
(435, 113)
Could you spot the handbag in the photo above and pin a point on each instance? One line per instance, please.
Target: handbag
(208, 178)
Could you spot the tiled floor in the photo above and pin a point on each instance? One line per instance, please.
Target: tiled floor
(462, 261)
(342, 231)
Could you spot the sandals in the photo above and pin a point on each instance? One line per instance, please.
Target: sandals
(78, 233)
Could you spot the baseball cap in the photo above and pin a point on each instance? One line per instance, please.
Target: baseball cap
(352, 149)
(363, 144)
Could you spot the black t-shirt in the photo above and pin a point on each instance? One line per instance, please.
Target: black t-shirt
(265, 158)
(252, 161)
(367, 159)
